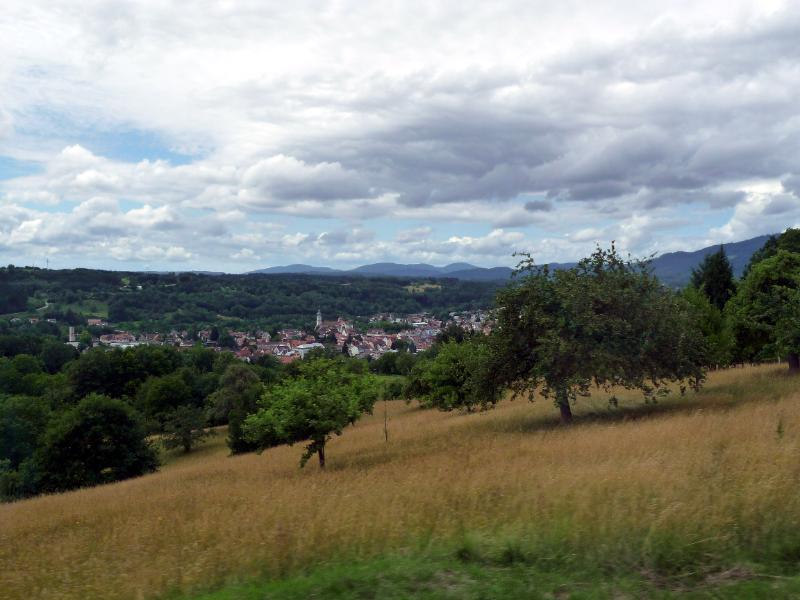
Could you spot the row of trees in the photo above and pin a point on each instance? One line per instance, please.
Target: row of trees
(97, 417)
(756, 317)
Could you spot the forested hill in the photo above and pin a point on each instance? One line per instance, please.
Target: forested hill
(159, 300)
(672, 268)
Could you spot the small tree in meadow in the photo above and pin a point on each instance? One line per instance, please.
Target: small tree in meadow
(322, 400)
(607, 322)
(237, 397)
(184, 427)
(458, 377)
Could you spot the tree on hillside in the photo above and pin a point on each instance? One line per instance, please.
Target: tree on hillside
(184, 427)
(158, 397)
(226, 340)
(606, 321)
(765, 312)
(458, 377)
(98, 441)
(715, 327)
(789, 241)
(393, 363)
(714, 277)
(321, 401)
(56, 354)
(238, 395)
(23, 420)
(452, 333)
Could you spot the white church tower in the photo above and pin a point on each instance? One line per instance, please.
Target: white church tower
(319, 319)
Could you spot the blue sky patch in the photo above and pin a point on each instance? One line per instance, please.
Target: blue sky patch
(11, 167)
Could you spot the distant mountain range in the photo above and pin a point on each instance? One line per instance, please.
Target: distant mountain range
(673, 268)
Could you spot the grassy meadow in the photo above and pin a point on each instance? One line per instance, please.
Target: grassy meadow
(693, 493)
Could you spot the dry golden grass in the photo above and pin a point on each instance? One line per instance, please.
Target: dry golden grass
(716, 473)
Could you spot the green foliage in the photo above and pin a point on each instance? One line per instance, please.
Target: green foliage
(160, 396)
(98, 441)
(607, 322)
(55, 355)
(321, 401)
(184, 427)
(85, 340)
(714, 277)
(200, 359)
(25, 364)
(765, 310)
(490, 570)
(393, 388)
(715, 327)
(119, 373)
(25, 342)
(404, 344)
(238, 395)
(166, 301)
(458, 377)
(268, 367)
(452, 333)
(22, 421)
(393, 363)
(788, 241)
(225, 340)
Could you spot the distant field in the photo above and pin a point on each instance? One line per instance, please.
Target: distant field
(421, 288)
(94, 308)
(700, 491)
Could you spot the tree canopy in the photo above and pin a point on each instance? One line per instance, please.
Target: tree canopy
(237, 397)
(607, 322)
(766, 310)
(323, 399)
(788, 241)
(98, 441)
(456, 377)
(714, 277)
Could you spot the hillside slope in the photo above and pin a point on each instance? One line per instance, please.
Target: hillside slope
(683, 490)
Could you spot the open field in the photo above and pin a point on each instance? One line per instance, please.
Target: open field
(421, 288)
(680, 491)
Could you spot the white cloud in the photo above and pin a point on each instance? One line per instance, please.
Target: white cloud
(529, 125)
(764, 210)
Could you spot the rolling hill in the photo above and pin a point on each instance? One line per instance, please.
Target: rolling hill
(673, 268)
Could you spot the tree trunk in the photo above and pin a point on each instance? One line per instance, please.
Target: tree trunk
(794, 362)
(321, 454)
(566, 412)
(385, 420)
(562, 398)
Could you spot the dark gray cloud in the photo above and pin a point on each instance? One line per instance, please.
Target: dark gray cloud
(670, 115)
(539, 206)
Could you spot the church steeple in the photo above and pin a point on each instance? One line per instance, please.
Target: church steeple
(319, 319)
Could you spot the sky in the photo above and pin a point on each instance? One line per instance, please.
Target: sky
(231, 136)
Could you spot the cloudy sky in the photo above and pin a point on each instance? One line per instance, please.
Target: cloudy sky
(232, 135)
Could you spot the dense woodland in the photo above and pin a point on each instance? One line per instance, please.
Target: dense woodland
(70, 419)
(152, 302)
